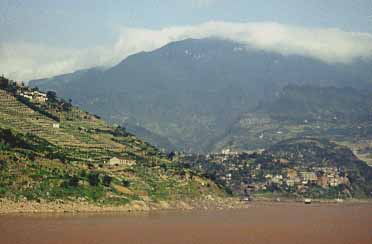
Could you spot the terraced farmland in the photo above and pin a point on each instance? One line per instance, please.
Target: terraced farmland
(75, 130)
(49, 151)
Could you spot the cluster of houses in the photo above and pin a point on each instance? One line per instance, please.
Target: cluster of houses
(19, 88)
(239, 173)
(34, 96)
(229, 152)
(322, 176)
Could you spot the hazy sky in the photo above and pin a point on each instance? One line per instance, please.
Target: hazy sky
(47, 37)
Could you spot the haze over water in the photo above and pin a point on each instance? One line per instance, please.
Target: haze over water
(260, 223)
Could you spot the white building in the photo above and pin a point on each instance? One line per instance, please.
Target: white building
(120, 162)
(228, 151)
(34, 96)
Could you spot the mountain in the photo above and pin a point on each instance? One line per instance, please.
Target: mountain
(340, 114)
(299, 103)
(53, 151)
(192, 91)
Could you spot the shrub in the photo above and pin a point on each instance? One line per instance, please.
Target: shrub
(52, 96)
(8, 139)
(4, 83)
(66, 106)
(74, 181)
(164, 166)
(126, 183)
(57, 155)
(3, 146)
(107, 180)
(93, 179)
(120, 131)
(83, 173)
(171, 155)
(2, 164)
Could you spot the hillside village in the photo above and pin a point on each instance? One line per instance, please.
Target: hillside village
(272, 173)
(246, 178)
(19, 89)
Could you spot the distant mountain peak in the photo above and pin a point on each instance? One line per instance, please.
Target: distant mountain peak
(192, 91)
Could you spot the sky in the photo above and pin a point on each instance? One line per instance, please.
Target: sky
(43, 38)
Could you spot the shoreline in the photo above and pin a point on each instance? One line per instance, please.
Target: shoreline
(19, 207)
(32, 207)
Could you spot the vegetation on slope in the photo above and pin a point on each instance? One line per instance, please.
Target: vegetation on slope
(42, 158)
(310, 103)
(340, 114)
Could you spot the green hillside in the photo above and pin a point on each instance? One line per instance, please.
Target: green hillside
(51, 150)
(338, 114)
(311, 103)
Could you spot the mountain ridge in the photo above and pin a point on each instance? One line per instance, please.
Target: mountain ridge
(192, 91)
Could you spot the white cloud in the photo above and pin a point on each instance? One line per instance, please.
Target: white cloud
(330, 45)
(24, 61)
(28, 61)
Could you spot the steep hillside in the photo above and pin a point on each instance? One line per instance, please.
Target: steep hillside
(310, 103)
(51, 150)
(193, 90)
(313, 152)
(340, 114)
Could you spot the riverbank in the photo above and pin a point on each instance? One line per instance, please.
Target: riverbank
(312, 201)
(11, 207)
(23, 206)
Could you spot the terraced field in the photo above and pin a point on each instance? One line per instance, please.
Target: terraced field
(76, 129)
(51, 153)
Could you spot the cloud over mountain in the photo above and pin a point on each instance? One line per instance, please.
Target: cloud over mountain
(28, 60)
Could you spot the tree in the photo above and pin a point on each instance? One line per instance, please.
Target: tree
(93, 179)
(4, 83)
(126, 183)
(120, 131)
(66, 106)
(52, 96)
(107, 180)
(83, 173)
(74, 181)
(2, 164)
(171, 155)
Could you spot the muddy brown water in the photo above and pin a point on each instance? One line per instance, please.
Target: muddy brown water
(259, 223)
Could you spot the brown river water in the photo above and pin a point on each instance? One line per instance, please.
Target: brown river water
(259, 223)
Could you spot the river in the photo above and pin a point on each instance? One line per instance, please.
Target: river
(259, 223)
